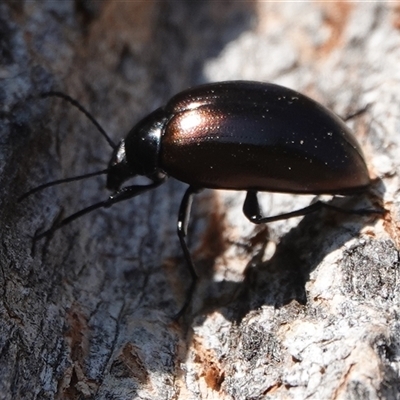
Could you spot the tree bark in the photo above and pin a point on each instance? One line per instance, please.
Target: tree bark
(296, 309)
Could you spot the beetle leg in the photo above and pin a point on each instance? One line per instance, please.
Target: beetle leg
(183, 222)
(121, 195)
(128, 192)
(251, 209)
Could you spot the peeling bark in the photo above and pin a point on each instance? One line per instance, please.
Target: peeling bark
(296, 309)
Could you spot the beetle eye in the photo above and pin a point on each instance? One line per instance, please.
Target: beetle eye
(119, 155)
(118, 168)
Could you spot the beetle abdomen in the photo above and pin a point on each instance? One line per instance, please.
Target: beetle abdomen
(262, 137)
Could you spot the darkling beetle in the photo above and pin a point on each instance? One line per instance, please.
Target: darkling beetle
(236, 135)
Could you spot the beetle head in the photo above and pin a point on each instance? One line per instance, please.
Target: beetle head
(138, 153)
(118, 168)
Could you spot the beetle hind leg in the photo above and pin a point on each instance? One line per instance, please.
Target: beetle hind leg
(252, 211)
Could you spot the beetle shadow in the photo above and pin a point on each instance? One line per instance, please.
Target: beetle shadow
(283, 278)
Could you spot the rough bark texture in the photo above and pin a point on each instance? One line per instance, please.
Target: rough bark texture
(295, 309)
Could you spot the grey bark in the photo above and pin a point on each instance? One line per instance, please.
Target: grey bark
(297, 309)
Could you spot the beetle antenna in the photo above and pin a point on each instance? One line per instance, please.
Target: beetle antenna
(76, 104)
(57, 182)
(70, 219)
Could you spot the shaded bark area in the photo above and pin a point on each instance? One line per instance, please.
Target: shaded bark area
(294, 309)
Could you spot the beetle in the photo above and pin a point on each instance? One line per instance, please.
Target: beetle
(234, 135)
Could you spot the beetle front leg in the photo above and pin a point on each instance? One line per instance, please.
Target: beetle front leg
(252, 211)
(123, 194)
(183, 222)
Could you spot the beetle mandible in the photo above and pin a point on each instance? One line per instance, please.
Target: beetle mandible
(235, 135)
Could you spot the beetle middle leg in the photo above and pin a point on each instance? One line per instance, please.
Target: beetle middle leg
(183, 222)
(252, 211)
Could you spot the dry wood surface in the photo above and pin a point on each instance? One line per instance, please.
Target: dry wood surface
(299, 309)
